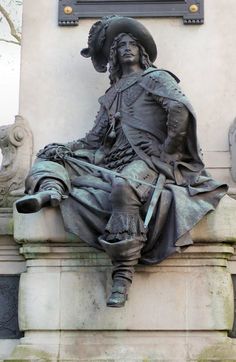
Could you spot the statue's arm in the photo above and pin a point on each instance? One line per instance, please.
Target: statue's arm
(177, 124)
(91, 141)
(177, 116)
(94, 137)
(164, 88)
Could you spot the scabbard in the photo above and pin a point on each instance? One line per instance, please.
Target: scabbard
(155, 197)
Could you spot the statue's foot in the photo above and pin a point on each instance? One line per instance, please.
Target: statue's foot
(119, 293)
(33, 203)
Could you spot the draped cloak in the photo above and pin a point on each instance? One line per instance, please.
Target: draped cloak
(189, 192)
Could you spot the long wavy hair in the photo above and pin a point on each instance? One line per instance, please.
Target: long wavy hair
(114, 65)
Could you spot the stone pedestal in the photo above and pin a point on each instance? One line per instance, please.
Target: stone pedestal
(16, 150)
(179, 310)
(11, 265)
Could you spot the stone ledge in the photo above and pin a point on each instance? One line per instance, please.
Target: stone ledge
(6, 347)
(11, 262)
(6, 221)
(131, 346)
(47, 225)
(77, 255)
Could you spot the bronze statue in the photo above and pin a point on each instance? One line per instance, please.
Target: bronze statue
(135, 185)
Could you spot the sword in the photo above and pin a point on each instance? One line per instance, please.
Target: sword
(103, 169)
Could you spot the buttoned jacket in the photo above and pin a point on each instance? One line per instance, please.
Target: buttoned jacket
(152, 107)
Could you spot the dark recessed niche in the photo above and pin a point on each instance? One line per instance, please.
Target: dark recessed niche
(9, 287)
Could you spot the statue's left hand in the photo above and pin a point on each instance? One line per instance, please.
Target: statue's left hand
(170, 158)
(150, 147)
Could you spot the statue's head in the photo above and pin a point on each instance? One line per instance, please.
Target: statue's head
(126, 49)
(105, 35)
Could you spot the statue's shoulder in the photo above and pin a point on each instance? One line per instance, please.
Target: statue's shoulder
(107, 99)
(164, 83)
(153, 79)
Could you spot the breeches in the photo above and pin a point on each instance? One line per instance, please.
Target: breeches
(101, 206)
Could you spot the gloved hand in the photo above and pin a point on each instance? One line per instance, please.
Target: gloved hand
(150, 147)
(170, 158)
(54, 151)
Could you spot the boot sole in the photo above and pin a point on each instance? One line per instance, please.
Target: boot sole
(116, 305)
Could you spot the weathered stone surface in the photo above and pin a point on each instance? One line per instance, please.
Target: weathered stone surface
(6, 347)
(128, 346)
(11, 263)
(218, 226)
(47, 224)
(62, 292)
(39, 301)
(67, 283)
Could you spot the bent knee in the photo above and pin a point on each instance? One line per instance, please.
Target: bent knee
(122, 194)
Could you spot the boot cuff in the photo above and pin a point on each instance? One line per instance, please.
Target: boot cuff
(129, 249)
(123, 226)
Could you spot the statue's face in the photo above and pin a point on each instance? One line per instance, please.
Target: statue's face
(128, 50)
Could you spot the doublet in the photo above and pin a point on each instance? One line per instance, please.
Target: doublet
(152, 108)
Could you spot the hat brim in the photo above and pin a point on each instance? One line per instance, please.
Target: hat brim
(103, 33)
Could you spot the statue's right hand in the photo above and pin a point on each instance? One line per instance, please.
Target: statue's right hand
(49, 151)
(55, 152)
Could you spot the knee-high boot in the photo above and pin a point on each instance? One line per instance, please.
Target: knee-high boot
(124, 255)
(50, 193)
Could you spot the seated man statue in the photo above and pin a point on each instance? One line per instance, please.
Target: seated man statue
(135, 185)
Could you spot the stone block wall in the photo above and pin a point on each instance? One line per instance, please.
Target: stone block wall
(179, 310)
(12, 264)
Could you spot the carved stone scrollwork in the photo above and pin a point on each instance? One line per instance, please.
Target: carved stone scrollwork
(16, 143)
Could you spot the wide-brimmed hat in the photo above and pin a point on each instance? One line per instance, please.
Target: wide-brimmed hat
(103, 33)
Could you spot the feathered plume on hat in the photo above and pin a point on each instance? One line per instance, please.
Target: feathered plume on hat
(103, 33)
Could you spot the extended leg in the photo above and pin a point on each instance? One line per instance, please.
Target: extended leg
(47, 184)
(50, 194)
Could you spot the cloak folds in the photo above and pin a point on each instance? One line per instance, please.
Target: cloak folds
(189, 192)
